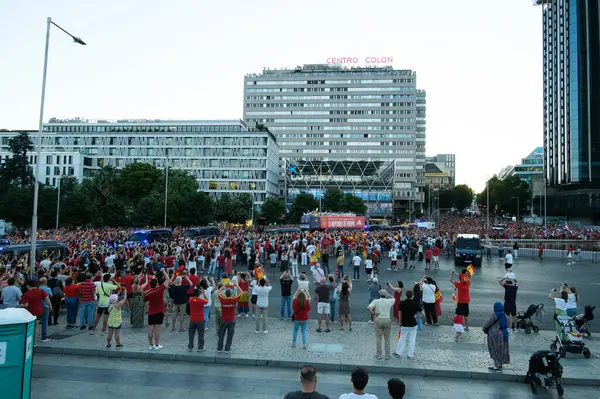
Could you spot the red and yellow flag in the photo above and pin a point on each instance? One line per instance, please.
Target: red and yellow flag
(471, 270)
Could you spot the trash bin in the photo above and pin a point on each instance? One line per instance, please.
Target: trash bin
(17, 338)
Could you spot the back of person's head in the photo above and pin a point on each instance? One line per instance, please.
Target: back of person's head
(396, 388)
(360, 378)
(564, 295)
(228, 293)
(11, 281)
(409, 294)
(382, 293)
(89, 276)
(106, 278)
(153, 283)
(262, 282)
(400, 284)
(192, 271)
(308, 375)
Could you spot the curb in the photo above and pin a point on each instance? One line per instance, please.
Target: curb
(415, 370)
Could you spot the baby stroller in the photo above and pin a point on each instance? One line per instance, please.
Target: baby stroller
(569, 339)
(524, 318)
(583, 320)
(545, 371)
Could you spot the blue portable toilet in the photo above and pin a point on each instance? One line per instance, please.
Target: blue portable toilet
(17, 338)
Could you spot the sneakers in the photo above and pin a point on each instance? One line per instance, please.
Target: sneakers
(227, 350)
(370, 321)
(150, 347)
(293, 345)
(82, 328)
(266, 332)
(256, 332)
(158, 347)
(190, 349)
(246, 315)
(46, 340)
(200, 350)
(304, 346)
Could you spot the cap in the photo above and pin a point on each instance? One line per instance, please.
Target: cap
(114, 298)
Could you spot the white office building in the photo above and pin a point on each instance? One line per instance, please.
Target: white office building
(224, 156)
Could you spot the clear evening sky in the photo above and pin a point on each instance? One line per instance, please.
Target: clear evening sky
(479, 60)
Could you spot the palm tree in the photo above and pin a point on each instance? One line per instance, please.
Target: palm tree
(105, 181)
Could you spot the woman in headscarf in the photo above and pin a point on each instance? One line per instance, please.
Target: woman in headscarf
(497, 337)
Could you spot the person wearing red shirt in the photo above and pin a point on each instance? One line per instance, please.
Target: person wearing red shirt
(156, 308)
(128, 284)
(463, 286)
(301, 307)
(436, 257)
(428, 258)
(71, 301)
(220, 265)
(197, 303)
(33, 302)
(228, 303)
(87, 289)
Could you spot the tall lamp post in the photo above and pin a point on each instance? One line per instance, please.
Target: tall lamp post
(58, 202)
(36, 190)
(518, 207)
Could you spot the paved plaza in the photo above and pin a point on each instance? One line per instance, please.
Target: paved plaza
(76, 377)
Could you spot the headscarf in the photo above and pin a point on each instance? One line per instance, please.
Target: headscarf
(502, 320)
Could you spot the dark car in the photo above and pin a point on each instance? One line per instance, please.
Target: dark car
(468, 250)
(201, 232)
(149, 236)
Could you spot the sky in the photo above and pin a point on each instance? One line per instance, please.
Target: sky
(480, 62)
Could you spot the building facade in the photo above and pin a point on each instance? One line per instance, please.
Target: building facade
(435, 178)
(223, 156)
(531, 167)
(571, 55)
(361, 130)
(446, 163)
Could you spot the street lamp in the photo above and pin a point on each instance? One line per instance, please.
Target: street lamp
(518, 207)
(58, 201)
(36, 190)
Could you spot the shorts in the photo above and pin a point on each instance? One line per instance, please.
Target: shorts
(459, 328)
(179, 308)
(254, 299)
(156, 319)
(323, 308)
(129, 296)
(115, 328)
(394, 262)
(510, 309)
(102, 310)
(436, 258)
(427, 261)
(508, 266)
(462, 309)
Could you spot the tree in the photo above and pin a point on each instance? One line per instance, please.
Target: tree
(194, 209)
(332, 200)
(503, 195)
(272, 210)
(16, 170)
(223, 207)
(241, 208)
(138, 180)
(352, 203)
(463, 196)
(304, 202)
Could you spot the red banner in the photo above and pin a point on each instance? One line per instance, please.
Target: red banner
(342, 222)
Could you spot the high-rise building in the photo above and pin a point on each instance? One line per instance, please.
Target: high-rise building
(446, 163)
(571, 51)
(224, 156)
(360, 130)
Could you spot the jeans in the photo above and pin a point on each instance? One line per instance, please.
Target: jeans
(219, 271)
(383, 328)
(261, 313)
(228, 326)
(571, 312)
(341, 271)
(196, 326)
(302, 326)
(332, 304)
(206, 316)
(212, 266)
(356, 275)
(408, 334)
(430, 313)
(286, 302)
(72, 303)
(44, 323)
(87, 308)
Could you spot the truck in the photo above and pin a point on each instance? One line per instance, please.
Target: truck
(331, 221)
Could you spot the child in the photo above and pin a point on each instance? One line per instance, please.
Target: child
(115, 320)
(458, 326)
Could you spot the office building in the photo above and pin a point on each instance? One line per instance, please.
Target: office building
(224, 156)
(571, 57)
(446, 163)
(361, 130)
(530, 168)
(435, 178)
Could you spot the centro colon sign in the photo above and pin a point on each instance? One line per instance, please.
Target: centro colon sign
(356, 60)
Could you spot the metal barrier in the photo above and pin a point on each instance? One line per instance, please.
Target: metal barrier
(549, 244)
(532, 253)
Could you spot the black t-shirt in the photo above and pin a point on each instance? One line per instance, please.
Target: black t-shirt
(179, 294)
(409, 309)
(119, 262)
(286, 287)
(305, 395)
(323, 293)
(510, 293)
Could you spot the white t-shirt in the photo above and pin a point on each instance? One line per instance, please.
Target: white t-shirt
(356, 260)
(352, 395)
(560, 303)
(428, 293)
(393, 255)
(383, 306)
(303, 284)
(45, 263)
(208, 293)
(263, 296)
(572, 302)
(368, 264)
(509, 259)
(253, 285)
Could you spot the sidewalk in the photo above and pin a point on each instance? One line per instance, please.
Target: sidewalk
(437, 353)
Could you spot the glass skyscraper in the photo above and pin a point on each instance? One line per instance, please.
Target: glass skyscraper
(571, 102)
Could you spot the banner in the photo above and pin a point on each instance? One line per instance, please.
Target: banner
(342, 222)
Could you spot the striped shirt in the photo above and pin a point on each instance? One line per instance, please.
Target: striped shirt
(87, 290)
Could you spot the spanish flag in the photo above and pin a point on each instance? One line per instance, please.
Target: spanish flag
(471, 270)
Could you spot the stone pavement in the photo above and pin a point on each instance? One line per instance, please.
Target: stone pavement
(437, 353)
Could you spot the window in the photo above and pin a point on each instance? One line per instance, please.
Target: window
(49, 159)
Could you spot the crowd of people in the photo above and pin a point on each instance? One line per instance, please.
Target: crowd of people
(223, 278)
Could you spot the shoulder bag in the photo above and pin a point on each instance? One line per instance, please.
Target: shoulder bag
(486, 330)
